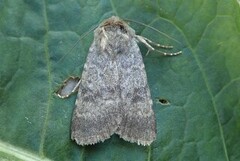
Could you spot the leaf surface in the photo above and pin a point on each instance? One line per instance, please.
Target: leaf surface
(202, 121)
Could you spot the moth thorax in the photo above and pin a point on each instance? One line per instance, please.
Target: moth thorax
(117, 42)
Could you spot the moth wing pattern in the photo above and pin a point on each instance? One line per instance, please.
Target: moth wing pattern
(95, 117)
(113, 95)
(138, 119)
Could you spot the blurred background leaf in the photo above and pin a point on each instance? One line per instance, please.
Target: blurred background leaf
(202, 85)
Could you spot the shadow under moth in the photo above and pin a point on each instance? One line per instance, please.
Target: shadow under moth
(113, 92)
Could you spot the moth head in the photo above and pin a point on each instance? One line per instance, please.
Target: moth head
(114, 21)
(113, 31)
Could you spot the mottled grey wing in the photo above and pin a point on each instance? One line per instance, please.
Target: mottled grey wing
(138, 119)
(96, 115)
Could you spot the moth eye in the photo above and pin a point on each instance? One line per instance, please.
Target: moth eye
(122, 27)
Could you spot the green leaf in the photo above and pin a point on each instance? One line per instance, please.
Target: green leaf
(202, 85)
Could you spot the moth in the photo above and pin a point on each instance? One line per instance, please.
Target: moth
(113, 92)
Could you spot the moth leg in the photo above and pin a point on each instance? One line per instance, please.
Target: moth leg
(142, 40)
(104, 38)
(69, 87)
(147, 43)
(156, 44)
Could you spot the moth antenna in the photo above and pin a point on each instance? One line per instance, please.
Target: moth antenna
(160, 32)
(148, 42)
(75, 44)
